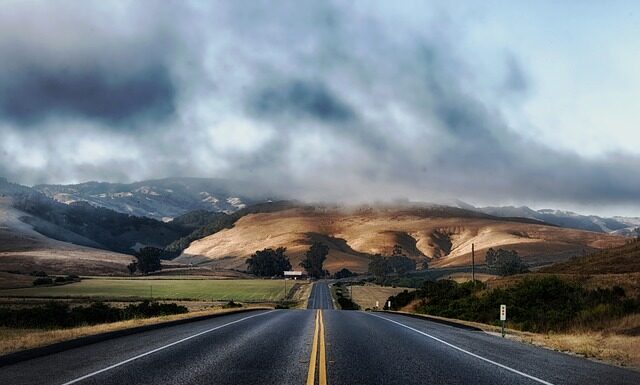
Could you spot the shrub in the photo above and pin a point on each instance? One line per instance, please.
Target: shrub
(534, 304)
(42, 281)
(344, 273)
(60, 315)
(231, 305)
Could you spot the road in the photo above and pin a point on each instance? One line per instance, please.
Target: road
(317, 346)
(320, 297)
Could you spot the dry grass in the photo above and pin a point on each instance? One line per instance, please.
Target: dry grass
(13, 281)
(354, 235)
(367, 295)
(302, 294)
(12, 340)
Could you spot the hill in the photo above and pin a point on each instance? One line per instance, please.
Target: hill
(615, 260)
(22, 249)
(442, 235)
(84, 224)
(161, 199)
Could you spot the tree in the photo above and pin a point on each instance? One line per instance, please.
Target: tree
(268, 262)
(133, 267)
(505, 262)
(344, 273)
(148, 259)
(397, 263)
(314, 259)
(378, 266)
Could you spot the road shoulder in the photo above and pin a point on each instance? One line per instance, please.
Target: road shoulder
(59, 340)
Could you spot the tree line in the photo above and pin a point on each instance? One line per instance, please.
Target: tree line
(273, 263)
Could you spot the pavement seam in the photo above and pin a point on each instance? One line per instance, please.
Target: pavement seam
(466, 351)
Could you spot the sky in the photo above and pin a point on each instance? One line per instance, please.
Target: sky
(489, 102)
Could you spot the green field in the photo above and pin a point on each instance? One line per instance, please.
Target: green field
(196, 289)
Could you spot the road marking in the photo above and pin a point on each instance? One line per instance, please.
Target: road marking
(318, 353)
(159, 349)
(466, 351)
(311, 374)
(322, 371)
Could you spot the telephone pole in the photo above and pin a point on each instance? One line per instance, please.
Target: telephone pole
(473, 264)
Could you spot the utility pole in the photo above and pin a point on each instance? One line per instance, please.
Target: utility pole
(473, 264)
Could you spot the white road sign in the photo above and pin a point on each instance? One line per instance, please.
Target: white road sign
(503, 312)
(292, 273)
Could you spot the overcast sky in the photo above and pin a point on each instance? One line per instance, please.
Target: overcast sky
(492, 102)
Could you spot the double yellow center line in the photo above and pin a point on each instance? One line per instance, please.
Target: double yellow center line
(318, 354)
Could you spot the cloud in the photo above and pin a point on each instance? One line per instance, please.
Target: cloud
(33, 94)
(340, 102)
(300, 99)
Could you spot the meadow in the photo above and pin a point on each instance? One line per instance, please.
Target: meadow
(244, 290)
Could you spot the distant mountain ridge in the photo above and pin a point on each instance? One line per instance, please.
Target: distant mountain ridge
(82, 223)
(624, 226)
(162, 199)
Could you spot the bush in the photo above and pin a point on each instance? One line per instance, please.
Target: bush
(231, 305)
(344, 273)
(42, 281)
(347, 304)
(534, 304)
(61, 315)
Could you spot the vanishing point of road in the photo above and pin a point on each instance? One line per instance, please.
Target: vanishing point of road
(318, 345)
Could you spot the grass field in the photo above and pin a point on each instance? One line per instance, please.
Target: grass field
(196, 289)
(367, 295)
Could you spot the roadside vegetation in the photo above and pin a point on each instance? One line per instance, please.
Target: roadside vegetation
(341, 293)
(61, 315)
(536, 304)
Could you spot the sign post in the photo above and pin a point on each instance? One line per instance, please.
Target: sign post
(503, 316)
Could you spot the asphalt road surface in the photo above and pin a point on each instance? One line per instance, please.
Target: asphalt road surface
(320, 297)
(317, 346)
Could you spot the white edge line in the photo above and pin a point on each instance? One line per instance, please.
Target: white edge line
(158, 349)
(466, 351)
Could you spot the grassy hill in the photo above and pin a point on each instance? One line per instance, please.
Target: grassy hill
(441, 235)
(615, 260)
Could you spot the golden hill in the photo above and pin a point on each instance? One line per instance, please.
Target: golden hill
(441, 235)
(616, 260)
